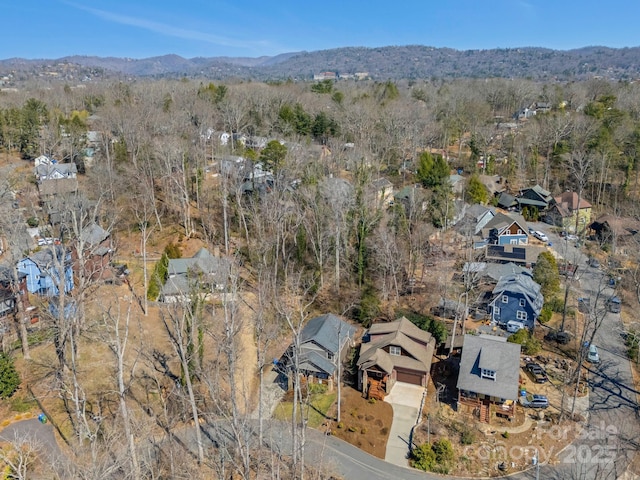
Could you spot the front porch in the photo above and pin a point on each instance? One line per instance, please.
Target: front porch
(486, 409)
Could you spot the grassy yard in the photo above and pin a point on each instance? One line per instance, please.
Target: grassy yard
(316, 410)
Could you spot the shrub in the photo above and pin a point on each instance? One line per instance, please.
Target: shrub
(352, 428)
(340, 425)
(372, 401)
(467, 437)
(363, 430)
(33, 222)
(9, 378)
(545, 314)
(505, 434)
(423, 457)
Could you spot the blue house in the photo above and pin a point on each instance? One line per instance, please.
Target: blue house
(516, 297)
(47, 269)
(505, 229)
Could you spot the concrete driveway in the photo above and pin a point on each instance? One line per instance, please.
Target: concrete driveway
(406, 400)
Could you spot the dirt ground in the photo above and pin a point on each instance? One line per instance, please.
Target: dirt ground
(365, 423)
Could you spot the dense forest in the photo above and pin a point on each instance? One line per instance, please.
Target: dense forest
(282, 179)
(383, 63)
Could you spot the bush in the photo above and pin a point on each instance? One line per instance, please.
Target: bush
(545, 314)
(505, 434)
(9, 378)
(423, 457)
(33, 222)
(467, 437)
(530, 344)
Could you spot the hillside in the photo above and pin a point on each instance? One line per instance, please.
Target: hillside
(392, 62)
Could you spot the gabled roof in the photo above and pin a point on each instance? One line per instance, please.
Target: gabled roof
(327, 331)
(568, 202)
(58, 186)
(203, 261)
(93, 234)
(48, 169)
(491, 353)
(520, 284)
(502, 221)
(506, 200)
(418, 344)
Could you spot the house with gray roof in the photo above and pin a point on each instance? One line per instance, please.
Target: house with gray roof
(323, 344)
(202, 274)
(489, 376)
(394, 352)
(505, 229)
(516, 297)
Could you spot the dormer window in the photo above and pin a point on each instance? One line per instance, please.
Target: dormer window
(490, 374)
(397, 351)
(505, 299)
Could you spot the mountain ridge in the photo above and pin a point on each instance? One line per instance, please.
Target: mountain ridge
(389, 62)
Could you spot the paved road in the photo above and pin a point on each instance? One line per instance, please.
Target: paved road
(40, 436)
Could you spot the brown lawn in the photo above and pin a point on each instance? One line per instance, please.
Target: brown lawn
(364, 424)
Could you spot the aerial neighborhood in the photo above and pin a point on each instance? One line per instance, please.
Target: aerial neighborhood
(191, 268)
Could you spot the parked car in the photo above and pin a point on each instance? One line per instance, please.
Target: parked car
(534, 401)
(614, 304)
(540, 236)
(593, 356)
(537, 372)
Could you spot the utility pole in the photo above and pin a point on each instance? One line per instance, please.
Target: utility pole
(536, 462)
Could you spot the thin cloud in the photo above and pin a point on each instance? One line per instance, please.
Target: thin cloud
(170, 30)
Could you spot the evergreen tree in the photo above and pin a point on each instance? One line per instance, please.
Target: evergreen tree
(9, 378)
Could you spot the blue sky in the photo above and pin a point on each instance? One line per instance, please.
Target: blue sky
(192, 28)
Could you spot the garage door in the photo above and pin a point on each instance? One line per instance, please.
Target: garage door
(409, 377)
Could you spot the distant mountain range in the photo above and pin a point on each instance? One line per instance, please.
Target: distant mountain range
(394, 62)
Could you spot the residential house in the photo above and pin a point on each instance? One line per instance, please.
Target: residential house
(48, 269)
(55, 171)
(507, 201)
(620, 233)
(10, 293)
(323, 344)
(565, 211)
(535, 198)
(458, 184)
(98, 252)
(394, 352)
(202, 274)
(55, 179)
(474, 219)
(43, 160)
(383, 192)
(516, 297)
(489, 376)
(495, 183)
(505, 229)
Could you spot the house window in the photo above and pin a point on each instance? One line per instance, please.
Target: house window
(519, 232)
(496, 311)
(330, 355)
(522, 302)
(490, 374)
(395, 350)
(513, 241)
(520, 315)
(505, 299)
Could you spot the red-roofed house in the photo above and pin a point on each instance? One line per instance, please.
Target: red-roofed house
(565, 209)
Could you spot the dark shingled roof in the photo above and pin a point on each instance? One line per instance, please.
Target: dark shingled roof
(492, 353)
